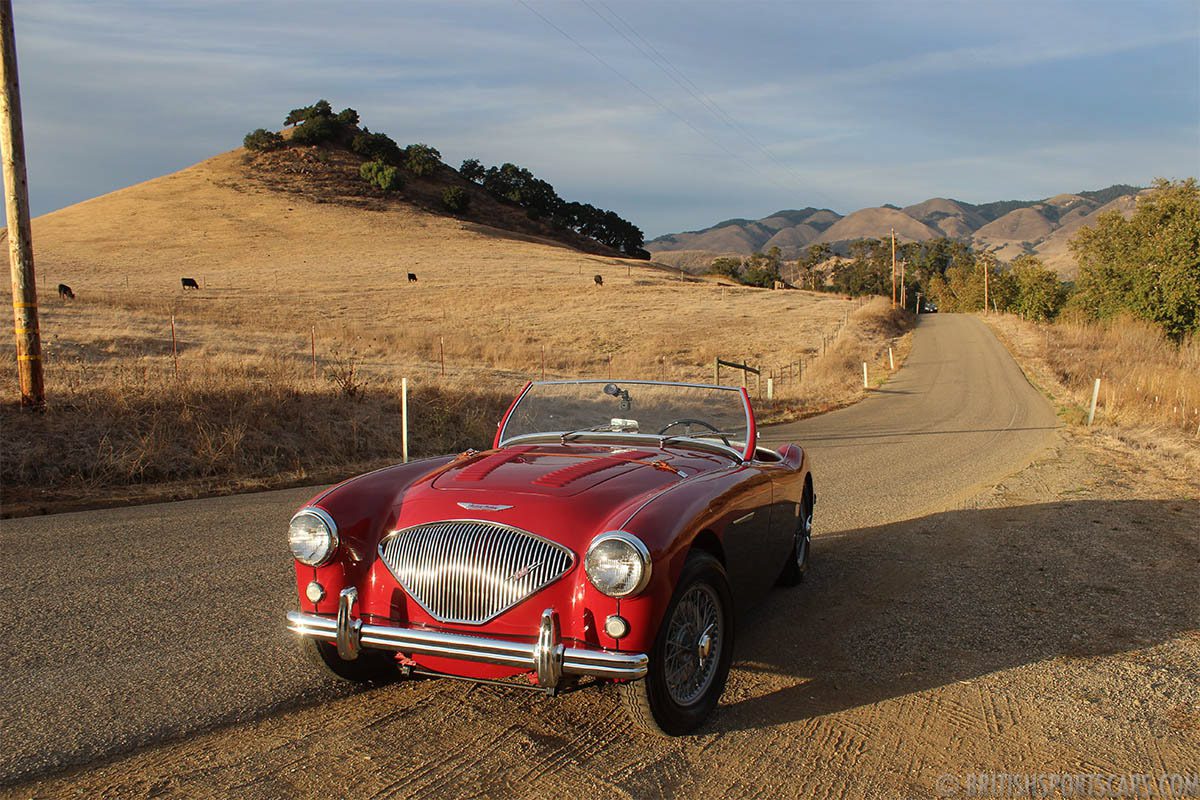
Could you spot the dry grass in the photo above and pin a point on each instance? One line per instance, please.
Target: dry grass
(834, 379)
(246, 409)
(1149, 387)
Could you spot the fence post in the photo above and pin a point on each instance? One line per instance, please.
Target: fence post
(442, 353)
(174, 346)
(404, 420)
(313, 340)
(1095, 397)
(891, 360)
(865, 384)
(717, 371)
(543, 362)
(770, 388)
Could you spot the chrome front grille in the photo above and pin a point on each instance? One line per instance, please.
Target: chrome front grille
(470, 571)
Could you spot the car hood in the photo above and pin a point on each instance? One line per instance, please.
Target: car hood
(563, 492)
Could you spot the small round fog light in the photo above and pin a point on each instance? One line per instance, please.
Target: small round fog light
(616, 626)
(315, 592)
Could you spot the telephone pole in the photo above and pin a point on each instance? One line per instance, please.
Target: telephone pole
(986, 270)
(893, 267)
(16, 207)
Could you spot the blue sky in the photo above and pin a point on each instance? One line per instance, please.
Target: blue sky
(700, 110)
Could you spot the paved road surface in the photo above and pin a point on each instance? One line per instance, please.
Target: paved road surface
(133, 625)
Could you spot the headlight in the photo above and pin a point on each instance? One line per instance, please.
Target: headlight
(617, 564)
(312, 536)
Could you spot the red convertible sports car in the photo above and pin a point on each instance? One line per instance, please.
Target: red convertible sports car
(609, 535)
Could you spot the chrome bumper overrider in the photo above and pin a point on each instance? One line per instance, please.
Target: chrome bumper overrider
(547, 657)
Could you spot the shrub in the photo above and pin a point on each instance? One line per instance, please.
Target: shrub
(347, 117)
(377, 147)
(321, 108)
(472, 170)
(381, 175)
(421, 159)
(456, 199)
(316, 130)
(261, 140)
(726, 266)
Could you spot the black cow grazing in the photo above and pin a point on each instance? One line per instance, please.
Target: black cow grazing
(599, 279)
(412, 277)
(189, 283)
(65, 292)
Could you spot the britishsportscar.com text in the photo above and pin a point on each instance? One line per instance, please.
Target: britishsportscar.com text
(1082, 784)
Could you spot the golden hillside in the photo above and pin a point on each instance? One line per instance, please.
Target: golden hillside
(273, 263)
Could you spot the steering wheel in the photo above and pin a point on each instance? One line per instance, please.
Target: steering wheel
(689, 421)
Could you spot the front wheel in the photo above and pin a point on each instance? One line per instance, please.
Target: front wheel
(691, 656)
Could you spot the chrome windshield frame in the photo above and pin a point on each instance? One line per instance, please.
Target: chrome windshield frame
(704, 443)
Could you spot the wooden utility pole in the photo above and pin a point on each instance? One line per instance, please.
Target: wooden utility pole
(16, 207)
(893, 267)
(985, 286)
(904, 284)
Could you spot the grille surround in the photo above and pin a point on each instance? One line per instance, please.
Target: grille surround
(468, 571)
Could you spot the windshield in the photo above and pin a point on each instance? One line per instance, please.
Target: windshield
(598, 410)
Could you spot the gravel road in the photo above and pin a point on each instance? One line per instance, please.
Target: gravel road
(985, 593)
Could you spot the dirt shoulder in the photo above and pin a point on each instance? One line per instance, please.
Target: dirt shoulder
(1047, 625)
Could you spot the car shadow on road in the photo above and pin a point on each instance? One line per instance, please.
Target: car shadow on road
(901, 608)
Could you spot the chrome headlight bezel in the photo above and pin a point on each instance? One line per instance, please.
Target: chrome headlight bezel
(635, 547)
(324, 556)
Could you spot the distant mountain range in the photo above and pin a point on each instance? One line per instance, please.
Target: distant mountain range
(1008, 228)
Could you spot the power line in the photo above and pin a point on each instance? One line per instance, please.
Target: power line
(716, 143)
(689, 86)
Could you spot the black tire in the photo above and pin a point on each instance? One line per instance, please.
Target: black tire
(369, 667)
(798, 557)
(651, 704)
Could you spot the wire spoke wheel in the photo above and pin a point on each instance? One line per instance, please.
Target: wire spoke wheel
(694, 642)
(692, 653)
(804, 538)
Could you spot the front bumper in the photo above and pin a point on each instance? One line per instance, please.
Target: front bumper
(547, 657)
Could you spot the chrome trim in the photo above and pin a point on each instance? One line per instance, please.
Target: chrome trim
(637, 383)
(322, 515)
(348, 629)
(747, 409)
(621, 437)
(548, 652)
(637, 545)
(558, 659)
(470, 571)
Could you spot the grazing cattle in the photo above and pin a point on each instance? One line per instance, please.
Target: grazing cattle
(412, 277)
(189, 283)
(65, 292)
(599, 279)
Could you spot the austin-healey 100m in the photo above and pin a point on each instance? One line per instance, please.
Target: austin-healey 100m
(608, 535)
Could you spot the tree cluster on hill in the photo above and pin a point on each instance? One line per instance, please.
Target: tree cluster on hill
(757, 269)
(387, 164)
(518, 185)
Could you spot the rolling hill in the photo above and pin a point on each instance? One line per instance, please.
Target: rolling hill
(1008, 228)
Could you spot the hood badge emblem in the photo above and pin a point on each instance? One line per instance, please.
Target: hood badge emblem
(523, 572)
(484, 506)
